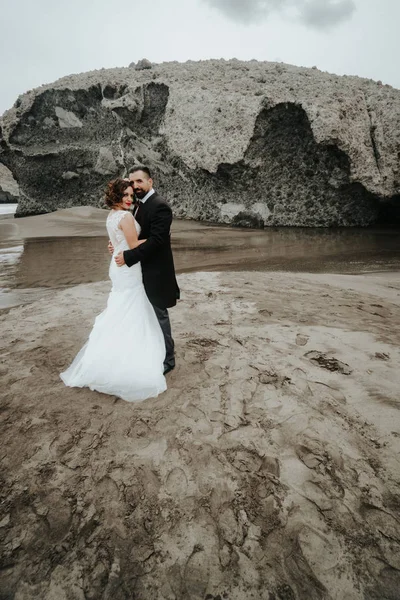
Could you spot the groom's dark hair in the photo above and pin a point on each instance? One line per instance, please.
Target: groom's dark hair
(141, 168)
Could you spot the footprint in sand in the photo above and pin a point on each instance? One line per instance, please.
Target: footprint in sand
(314, 493)
(388, 529)
(300, 383)
(244, 460)
(176, 483)
(197, 574)
(59, 515)
(301, 340)
(229, 528)
(272, 378)
(318, 387)
(311, 458)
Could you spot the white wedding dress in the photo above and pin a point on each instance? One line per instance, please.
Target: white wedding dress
(125, 352)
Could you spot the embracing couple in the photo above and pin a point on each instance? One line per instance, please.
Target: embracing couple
(130, 348)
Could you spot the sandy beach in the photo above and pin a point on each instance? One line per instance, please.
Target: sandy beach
(268, 470)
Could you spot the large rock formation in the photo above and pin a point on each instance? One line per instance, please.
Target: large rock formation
(9, 192)
(247, 143)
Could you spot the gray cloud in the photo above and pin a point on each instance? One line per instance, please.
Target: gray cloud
(324, 14)
(319, 14)
(41, 41)
(245, 11)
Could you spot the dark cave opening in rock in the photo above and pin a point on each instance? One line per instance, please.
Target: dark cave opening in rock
(300, 181)
(295, 181)
(389, 212)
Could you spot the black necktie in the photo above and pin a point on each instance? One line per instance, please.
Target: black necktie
(137, 208)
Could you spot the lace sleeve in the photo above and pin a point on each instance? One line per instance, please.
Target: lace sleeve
(113, 227)
(121, 215)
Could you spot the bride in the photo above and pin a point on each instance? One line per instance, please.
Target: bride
(125, 351)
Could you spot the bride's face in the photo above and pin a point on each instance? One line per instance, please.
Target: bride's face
(127, 199)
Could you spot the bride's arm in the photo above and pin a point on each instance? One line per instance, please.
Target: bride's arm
(127, 224)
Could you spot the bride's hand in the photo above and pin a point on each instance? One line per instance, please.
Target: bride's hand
(110, 247)
(139, 242)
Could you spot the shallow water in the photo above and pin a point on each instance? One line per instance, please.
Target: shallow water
(32, 268)
(8, 209)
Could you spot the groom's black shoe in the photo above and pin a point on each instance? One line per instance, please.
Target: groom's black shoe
(168, 368)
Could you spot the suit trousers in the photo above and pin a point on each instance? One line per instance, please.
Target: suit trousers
(163, 319)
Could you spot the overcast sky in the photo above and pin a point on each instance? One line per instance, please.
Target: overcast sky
(43, 40)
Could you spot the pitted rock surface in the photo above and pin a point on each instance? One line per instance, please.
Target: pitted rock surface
(247, 143)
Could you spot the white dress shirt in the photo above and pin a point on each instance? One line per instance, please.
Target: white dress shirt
(150, 193)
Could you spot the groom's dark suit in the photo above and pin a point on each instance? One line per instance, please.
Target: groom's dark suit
(155, 255)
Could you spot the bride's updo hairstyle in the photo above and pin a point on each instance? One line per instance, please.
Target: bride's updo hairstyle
(115, 191)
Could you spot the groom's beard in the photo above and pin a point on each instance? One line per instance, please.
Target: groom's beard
(140, 194)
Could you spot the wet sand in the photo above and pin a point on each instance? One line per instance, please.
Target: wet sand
(68, 247)
(268, 470)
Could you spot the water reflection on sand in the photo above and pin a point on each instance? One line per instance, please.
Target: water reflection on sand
(33, 266)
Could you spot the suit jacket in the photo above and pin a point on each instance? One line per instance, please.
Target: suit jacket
(155, 255)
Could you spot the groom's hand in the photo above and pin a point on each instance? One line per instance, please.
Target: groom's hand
(119, 259)
(110, 247)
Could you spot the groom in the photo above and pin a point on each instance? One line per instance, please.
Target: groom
(155, 255)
